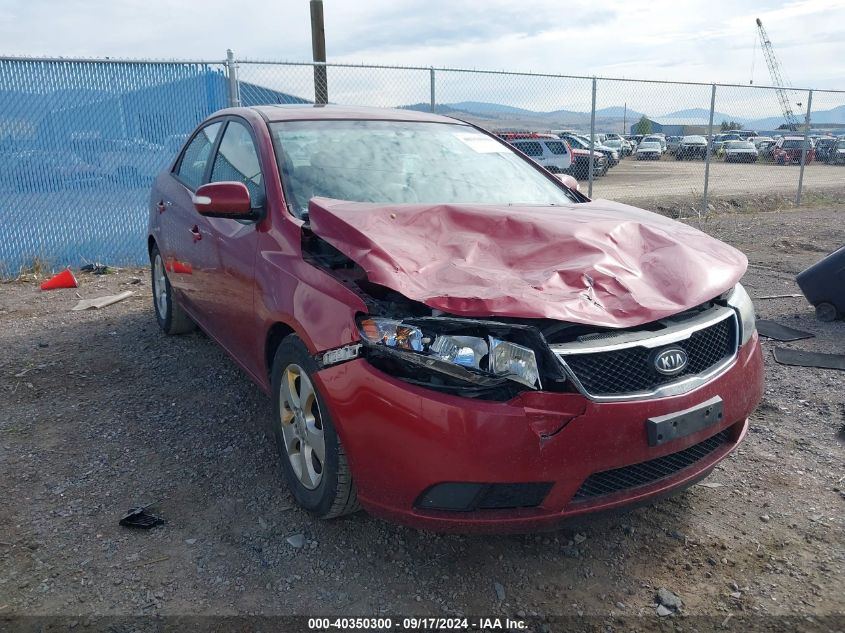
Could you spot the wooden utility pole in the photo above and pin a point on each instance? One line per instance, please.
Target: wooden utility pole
(318, 48)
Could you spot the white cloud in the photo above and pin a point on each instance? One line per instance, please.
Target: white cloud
(698, 40)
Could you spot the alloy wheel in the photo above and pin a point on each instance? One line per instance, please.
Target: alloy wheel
(160, 286)
(302, 426)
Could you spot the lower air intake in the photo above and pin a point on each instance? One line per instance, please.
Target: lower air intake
(644, 473)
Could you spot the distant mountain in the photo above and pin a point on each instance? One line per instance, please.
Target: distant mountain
(618, 112)
(440, 108)
(481, 107)
(836, 115)
(701, 113)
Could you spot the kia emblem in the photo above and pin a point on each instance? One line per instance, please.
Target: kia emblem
(671, 361)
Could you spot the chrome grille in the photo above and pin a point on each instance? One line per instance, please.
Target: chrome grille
(630, 369)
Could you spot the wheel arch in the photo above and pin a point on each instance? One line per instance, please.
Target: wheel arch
(275, 335)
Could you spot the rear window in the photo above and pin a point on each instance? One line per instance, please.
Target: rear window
(556, 147)
(796, 144)
(531, 148)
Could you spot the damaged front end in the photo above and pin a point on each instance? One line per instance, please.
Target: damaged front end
(499, 354)
(472, 358)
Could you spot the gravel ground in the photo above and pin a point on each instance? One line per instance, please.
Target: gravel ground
(640, 180)
(101, 412)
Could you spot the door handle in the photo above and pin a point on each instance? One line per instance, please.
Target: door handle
(195, 233)
(162, 206)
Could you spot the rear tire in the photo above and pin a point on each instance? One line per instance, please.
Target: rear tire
(171, 317)
(313, 460)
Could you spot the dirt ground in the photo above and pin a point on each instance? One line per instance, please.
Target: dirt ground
(638, 180)
(101, 412)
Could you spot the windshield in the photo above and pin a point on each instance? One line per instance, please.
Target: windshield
(652, 139)
(693, 139)
(649, 145)
(840, 145)
(740, 145)
(400, 162)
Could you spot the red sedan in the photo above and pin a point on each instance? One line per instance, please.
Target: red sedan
(452, 337)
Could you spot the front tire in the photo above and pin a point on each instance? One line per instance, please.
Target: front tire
(171, 317)
(313, 460)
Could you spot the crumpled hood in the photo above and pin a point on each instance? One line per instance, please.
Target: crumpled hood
(600, 263)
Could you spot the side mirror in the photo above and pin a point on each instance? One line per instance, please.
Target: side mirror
(569, 181)
(224, 200)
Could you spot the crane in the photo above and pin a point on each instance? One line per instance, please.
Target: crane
(774, 71)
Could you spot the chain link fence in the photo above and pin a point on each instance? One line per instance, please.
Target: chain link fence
(81, 140)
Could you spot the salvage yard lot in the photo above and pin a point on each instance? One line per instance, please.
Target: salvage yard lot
(101, 412)
(634, 180)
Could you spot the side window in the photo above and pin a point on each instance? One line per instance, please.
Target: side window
(556, 147)
(237, 160)
(530, 148)
(192, 166)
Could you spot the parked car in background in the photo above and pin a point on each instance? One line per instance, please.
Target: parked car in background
(672, 143)
(740, 152)
(582, 142)
(759, 140)
(766, 149)
(690, 147)
(620, 146)
(427, 309)
(656, 138)
(717, 145)
(837, 155)
(649, 150)
(131, 162)
(788, 151)
(825, 147)
(634, 139)
(34, 170)
(581, 167)
(547, 150)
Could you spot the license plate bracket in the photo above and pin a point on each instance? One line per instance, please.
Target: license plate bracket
(665, 428)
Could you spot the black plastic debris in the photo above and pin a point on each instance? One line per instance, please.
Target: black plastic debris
(800, 358)
(823, 284)
(97, 269)
(778, 332)
(140, 518)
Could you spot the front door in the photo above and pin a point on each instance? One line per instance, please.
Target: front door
(232, 284)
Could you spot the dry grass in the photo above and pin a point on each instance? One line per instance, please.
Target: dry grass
(36, 268)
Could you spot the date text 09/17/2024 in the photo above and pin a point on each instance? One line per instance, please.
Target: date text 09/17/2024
(418, 624)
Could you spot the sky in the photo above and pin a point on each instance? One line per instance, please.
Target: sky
(695, 40)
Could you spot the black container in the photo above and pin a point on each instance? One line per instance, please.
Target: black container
(823, 284)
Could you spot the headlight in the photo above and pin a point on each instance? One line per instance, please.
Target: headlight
(739, 300)
(513, 361)
(489, 355)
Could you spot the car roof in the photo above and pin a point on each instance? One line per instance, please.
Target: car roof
(309, 111)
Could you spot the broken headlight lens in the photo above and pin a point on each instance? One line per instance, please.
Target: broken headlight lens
(513, 361)
(467, 351)
(488, 354)
(739, 300)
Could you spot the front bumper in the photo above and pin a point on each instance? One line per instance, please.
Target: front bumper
(401, 440)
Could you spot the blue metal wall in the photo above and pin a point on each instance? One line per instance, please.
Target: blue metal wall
(80, 143)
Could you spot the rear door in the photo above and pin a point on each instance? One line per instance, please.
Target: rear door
(188, 254)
